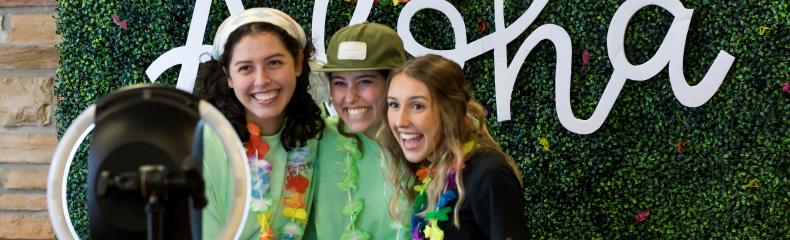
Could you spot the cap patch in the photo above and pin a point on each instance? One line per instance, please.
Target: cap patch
(352, 50)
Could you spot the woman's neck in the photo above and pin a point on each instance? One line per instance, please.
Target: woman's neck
(431, 160)
(371, 131)
(269, 126)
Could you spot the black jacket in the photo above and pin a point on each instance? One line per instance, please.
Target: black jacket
(493, 206)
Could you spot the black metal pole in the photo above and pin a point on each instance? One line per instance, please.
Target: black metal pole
(154, 217)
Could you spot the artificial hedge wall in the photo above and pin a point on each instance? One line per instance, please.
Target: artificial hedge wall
(718, 171)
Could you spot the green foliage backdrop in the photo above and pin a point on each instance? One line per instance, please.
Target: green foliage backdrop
(588, 186)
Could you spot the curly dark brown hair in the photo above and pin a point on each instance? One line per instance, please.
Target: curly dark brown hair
(304, 116)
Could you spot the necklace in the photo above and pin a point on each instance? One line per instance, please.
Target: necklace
(349, 184)
(427, 227)
(297, 183)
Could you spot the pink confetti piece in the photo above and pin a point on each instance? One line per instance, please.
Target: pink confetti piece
(120, 23)
(585, 58)
(642, 216)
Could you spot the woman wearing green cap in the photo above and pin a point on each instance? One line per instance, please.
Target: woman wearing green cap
(351, 198)
(258, 78)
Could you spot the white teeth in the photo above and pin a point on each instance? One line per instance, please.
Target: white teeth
(265, 95)
(356, 112)
(409, 136)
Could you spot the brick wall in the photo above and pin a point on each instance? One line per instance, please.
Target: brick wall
(28, 60)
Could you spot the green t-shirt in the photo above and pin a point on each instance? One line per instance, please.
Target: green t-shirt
(326, 220)
(219, 188)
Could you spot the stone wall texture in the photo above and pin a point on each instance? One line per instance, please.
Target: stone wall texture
(28, 59)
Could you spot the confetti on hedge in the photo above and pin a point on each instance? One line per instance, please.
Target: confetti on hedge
(762, 30)
(642, 216)
(754, 183)
(395, 2)
(786, 87)
(120, 23)
(585, 58)
(545, 143)
(681, 144)
(482, 26)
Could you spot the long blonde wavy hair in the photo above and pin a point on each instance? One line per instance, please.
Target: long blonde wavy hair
(461, 118)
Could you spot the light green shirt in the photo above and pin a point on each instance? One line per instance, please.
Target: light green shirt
(219, 188)
(326, 220)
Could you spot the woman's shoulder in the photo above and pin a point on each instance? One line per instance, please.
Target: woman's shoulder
(485, 160)
(210, 138)
(487, 167)
(331, 139)
(330, 123)
(330, 132)
(487, 172)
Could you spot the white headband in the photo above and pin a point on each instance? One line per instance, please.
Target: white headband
(267, 15)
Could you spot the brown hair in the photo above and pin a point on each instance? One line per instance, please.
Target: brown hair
(461, 118)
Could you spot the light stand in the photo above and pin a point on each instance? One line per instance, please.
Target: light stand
(142, 169)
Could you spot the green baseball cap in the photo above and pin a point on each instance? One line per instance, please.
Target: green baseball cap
(364, 47)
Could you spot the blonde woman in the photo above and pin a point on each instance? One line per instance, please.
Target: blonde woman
(468, 188)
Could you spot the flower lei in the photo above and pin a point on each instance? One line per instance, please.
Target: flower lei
(349, 184)
(430, 222)
(296, 186)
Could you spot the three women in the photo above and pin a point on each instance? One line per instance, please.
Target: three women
(324, 180)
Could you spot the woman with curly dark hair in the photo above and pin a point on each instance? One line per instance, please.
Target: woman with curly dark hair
(258, 78)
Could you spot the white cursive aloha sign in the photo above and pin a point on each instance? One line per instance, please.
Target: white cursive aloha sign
(670, 53)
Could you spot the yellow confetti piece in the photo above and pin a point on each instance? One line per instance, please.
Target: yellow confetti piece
(545, 143)
(762, 30)
(754, 183)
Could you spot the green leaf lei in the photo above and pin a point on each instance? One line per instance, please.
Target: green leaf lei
(349, 184)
